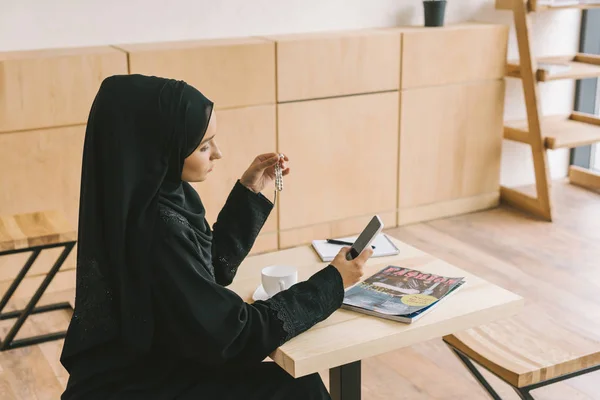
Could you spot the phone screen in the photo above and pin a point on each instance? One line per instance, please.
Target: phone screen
(366, 237)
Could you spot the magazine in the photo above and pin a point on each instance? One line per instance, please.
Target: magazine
(400, 294)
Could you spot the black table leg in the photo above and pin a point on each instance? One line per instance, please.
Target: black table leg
(22, 315)
(344, 382)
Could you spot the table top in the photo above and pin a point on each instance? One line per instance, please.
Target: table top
(22, 231)
(348, 336)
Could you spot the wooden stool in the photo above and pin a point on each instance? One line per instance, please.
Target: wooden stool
(33, 233)
(526, 358)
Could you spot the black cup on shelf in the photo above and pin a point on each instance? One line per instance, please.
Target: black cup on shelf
(435, 10)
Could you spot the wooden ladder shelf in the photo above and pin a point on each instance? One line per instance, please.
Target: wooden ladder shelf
(546, 132)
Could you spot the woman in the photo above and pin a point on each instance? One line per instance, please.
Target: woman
(153, 318)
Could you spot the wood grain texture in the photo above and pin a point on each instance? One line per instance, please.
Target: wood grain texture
(349, 336)
(457, 53)
(330, 64)
(584, 177)
(48, 378)
(516, 134)
(516, 352)
(463, 205)
(344, 153)
(527, 202)
(581, 66)
(558, 332)
(528, 67)
(535, 6)
(564, 131)
(242, 134)
(49, 88)
(554, 266)
(504, 4)
(265, 242)
(34, 229)
(230, 72)
(458, 126)
(588, 58)
(41, 170)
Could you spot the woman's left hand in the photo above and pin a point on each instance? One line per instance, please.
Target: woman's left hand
(262, 171)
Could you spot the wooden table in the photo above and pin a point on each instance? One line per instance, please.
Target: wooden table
(33, 232)
(346, 337)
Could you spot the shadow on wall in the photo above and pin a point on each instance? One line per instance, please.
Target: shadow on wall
(407, 16)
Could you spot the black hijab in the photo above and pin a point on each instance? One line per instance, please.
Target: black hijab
(139, 132)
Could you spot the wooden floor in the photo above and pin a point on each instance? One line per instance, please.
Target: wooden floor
(555, 266)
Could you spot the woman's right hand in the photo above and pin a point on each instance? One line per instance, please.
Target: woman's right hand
(351, 271)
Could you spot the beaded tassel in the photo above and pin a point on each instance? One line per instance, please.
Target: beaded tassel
(278, 176)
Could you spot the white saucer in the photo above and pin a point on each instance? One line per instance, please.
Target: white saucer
(260, 294)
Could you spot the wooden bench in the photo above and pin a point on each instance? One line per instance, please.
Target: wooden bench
(33, 232)
(526, 358)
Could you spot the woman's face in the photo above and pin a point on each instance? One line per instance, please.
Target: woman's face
(199, 164)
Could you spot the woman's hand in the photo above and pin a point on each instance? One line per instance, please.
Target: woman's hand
(351, 271)
(262, 171)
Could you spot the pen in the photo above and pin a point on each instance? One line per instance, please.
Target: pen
(341, 242)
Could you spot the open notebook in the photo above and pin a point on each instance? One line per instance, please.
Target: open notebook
(383, 247)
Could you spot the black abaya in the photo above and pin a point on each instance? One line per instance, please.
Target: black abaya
(198, 339)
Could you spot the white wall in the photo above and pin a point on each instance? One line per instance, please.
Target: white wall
(32, 24)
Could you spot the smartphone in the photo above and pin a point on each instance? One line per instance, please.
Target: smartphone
(365, 238)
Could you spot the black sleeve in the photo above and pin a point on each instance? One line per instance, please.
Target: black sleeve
(200, 318)
(236, 229)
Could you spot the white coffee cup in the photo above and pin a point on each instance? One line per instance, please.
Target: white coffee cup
(278, 277)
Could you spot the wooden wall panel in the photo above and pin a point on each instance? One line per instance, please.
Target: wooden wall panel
(231, 72)
(450, 143)
(49, 88)
(242, 134)
(40, 170)
(462, 53)
(320, 65)
(344, 156)
(444, 209)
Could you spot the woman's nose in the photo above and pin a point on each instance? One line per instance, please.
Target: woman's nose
(217, 154)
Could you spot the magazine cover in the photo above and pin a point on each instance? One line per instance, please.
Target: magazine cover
(400, 291)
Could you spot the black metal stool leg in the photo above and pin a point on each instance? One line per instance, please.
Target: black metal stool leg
(476, 374)
(13, 287)
(523, 394)
(8, 342)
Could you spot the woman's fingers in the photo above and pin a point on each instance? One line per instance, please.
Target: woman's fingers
(284, 159)
(264, 156)
(269, 162)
